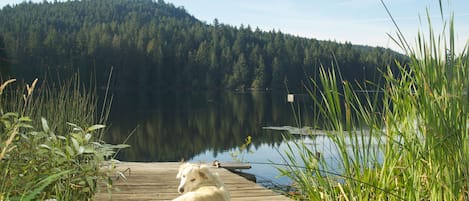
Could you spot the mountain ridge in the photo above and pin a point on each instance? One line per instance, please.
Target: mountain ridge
(155, 44)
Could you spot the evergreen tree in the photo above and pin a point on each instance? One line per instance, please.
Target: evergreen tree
(239, 76)
(155, 44)
(278, 75)
(4, 60)
(260, 81)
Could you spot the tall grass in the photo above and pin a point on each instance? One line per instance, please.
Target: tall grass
(43, 155)
(59, 103)
(420, 128)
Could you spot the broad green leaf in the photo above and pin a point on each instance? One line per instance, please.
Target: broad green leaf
(10, 114)
(73, 125)
(117, 146)
(77, 129)
(60, 152)
(45, 146)
(75, 143)
(95, 127)
(97, 144)
(27, 119)
(7, 124)
(45, 125)
(23, 125)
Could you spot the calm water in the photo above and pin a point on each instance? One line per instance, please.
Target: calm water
(208, 126)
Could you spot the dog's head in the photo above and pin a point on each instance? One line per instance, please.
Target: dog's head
(191, 176)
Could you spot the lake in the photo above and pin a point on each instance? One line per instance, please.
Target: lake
(208, 126)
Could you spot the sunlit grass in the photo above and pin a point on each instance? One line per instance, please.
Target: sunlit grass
(420, 122)
(69, 101)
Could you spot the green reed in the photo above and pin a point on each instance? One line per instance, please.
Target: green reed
(420, 125)
(69, 101)
(43, 155)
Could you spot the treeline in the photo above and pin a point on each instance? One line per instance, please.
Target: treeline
(157, 45)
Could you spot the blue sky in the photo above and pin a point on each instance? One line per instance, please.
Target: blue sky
(358, 21)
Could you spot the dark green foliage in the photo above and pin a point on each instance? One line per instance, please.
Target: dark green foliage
(154, 44)
(4, 60)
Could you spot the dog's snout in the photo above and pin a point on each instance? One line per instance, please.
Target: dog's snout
(181, 190)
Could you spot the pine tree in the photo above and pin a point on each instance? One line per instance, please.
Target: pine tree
(4, 60)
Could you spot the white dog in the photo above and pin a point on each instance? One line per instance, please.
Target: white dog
(199, 184)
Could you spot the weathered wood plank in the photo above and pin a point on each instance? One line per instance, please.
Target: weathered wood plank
(232, 165)
(157, 181)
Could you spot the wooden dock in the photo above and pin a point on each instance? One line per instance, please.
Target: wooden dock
(157, 181)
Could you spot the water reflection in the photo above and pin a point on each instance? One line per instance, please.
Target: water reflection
(265, 159)
(173, 126)
(207, 126)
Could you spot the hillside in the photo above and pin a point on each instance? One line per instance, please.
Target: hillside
(157, 45)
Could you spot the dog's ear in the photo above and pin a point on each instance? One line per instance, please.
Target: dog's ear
(203, 175)
(203, 172)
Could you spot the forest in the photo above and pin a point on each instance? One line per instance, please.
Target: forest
(156, 45)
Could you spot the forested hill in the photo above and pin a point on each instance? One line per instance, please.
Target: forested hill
(157, 45)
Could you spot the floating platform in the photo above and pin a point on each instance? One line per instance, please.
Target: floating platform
(157, 181)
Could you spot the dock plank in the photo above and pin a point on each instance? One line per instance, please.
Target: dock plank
(157, 181)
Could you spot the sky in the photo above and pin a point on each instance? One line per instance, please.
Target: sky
(363, 22)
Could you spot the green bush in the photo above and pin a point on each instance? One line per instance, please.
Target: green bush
(40, 162)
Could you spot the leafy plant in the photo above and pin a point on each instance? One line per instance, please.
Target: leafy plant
(43, 162)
